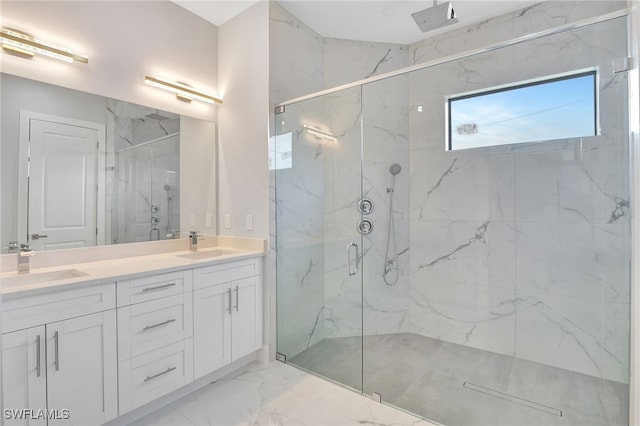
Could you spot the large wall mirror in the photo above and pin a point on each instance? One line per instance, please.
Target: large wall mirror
(80, 169)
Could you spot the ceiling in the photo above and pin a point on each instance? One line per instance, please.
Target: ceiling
(369, 20)
(216, 11)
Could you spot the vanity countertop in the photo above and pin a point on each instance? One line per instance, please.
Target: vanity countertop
(67, 276)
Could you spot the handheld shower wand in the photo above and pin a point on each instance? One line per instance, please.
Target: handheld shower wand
(391, 270)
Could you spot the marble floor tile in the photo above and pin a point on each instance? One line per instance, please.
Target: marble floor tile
(277, 394)
(427, 376)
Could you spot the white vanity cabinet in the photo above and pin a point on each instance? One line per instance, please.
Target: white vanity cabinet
(155, 330)
(88, 353)
(24, 380)
(57, 356)
(227, 313)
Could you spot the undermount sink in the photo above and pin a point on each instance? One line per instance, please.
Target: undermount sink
(42, 277)
(205, 254)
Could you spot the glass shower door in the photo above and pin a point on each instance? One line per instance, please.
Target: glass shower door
(517, 281)
(316, 158)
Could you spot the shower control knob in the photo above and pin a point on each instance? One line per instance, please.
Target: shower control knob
(154, 220)
(155, 208)
(365, 226)
(365, 206)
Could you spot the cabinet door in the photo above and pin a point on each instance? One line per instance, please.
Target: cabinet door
(246, 336)
(212, 329)
(24, 373)
(82, 368)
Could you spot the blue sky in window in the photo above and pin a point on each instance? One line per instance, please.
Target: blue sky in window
(555, 110)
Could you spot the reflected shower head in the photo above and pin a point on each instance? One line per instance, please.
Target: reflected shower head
(156, 116)
(395, 168)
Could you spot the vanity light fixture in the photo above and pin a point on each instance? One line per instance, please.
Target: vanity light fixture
(27, 45)
(319, 133)
(183, 91)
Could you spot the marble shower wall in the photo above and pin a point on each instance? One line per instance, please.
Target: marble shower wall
(496, 235)
(297, 206)
(524, 250)
(535, 18)
(378, 112)
(316, 299)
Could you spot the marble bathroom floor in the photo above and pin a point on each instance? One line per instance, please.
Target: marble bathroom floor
(427, 376)
(276, 394)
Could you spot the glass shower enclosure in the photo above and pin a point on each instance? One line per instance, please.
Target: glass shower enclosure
(482, 286)
(146, 201)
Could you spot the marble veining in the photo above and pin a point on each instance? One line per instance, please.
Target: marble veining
(478, 237)
(277, 394)
(520, 250)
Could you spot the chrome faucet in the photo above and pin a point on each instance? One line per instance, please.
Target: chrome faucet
(193, 240)
(23, 258)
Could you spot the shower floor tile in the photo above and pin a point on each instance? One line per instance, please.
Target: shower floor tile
(427, 376)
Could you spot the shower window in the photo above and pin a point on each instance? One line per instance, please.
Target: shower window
(556, 107)
(280, 155)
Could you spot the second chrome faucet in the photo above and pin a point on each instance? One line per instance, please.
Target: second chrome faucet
(193, 240)
(24, 254)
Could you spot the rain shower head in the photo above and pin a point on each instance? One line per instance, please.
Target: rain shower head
(395, 168)
(436, 16)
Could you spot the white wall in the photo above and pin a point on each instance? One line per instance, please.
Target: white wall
(244, 130)
(197, 175)
(124, 41)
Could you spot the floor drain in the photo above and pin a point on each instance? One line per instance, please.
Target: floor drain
(514, 399)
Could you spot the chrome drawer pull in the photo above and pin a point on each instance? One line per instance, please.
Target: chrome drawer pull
(160, 287)
(237, 299)
(38, 356)
(160, 324)
(57, 354)
(168, 370)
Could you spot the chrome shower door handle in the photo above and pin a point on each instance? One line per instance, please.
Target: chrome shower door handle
(352, 273)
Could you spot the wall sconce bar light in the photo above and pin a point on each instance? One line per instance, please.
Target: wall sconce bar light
(26, 45)
(183, 91)
(319, 133)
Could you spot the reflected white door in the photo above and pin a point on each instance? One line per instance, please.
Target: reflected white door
(62, 185)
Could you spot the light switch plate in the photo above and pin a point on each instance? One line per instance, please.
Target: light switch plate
(227, 221)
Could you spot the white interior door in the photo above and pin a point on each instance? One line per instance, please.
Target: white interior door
(63, 170)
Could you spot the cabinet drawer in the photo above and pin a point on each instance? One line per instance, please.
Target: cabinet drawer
(153, 287)
(226, 272)
(152, 375)
(30, 311)
(144, 327)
